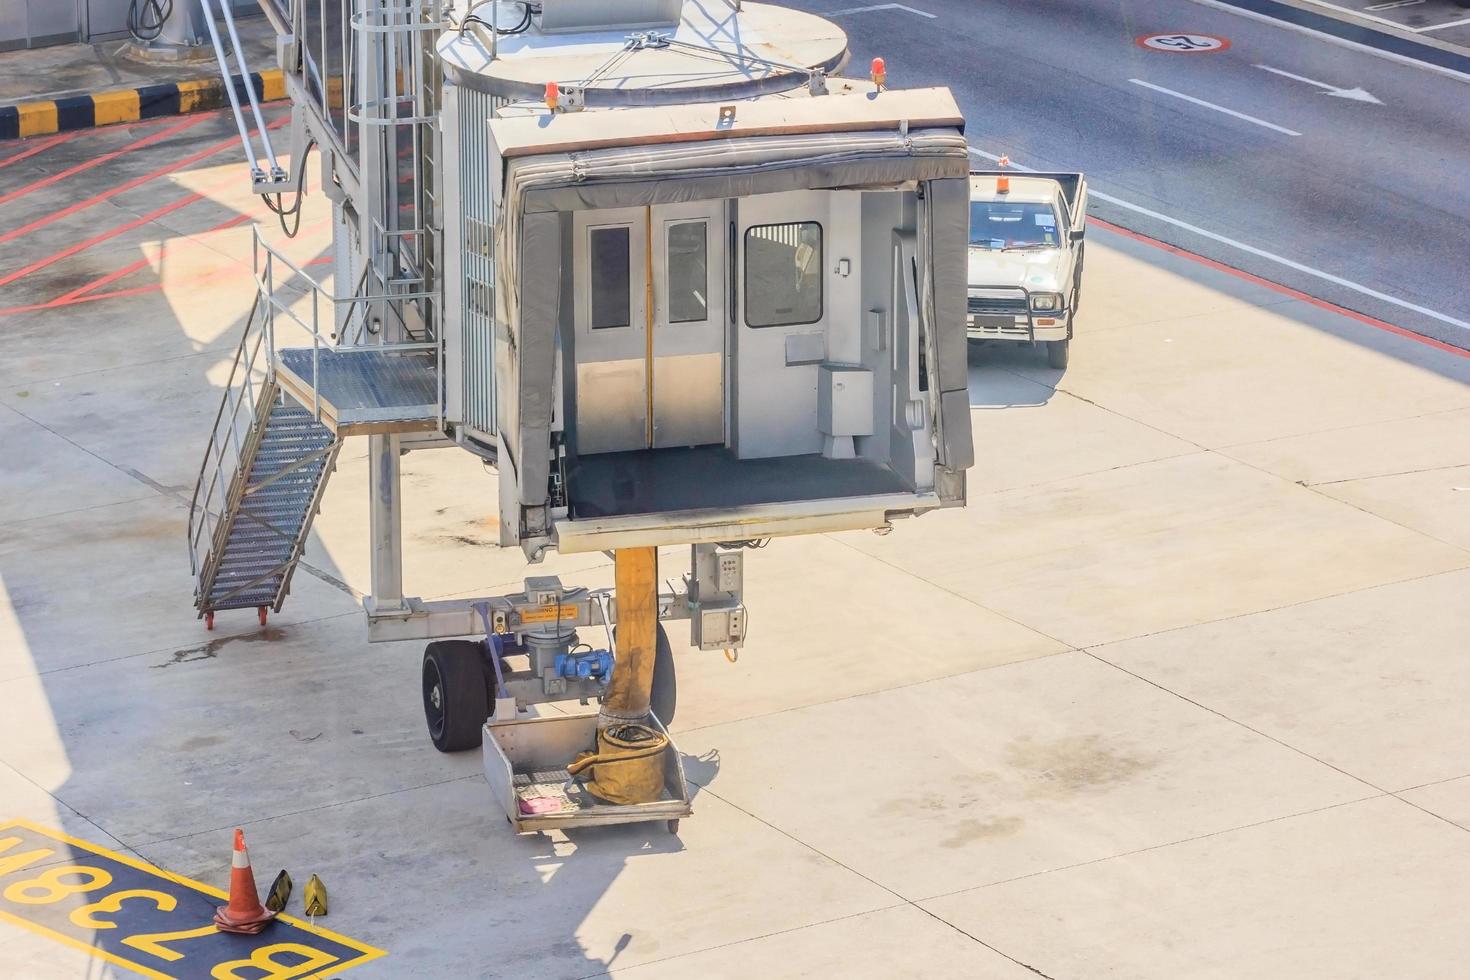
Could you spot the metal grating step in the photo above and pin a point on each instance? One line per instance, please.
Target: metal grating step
(247, 567)
(273, 495)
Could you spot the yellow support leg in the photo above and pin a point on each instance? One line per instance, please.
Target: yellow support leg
(636, 587)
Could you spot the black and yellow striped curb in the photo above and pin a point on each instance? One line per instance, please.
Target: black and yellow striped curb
(132, 104)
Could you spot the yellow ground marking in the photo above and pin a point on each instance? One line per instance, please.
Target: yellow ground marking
(197, 94)
(96, 951)
(37, 118)
(272, 85)
(369, 952)
(114, 107)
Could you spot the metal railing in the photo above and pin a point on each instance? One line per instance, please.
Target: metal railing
(316, 325)
(238, 426)
(251, 391)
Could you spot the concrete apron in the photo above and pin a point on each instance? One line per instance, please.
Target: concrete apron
(1187, 676)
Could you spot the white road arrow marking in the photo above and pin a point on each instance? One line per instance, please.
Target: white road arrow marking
(1211, 105)
(1356, 94)
(878, 6)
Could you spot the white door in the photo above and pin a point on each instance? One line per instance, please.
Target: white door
(649, 287)
(611, 320)
(782, 334)
(688, 325)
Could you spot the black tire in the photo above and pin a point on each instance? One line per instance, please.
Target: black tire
(664, 697)
(1056, 352)
(456, 694)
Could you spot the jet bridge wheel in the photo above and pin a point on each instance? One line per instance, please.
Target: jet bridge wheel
(456, 695)
(664, 696)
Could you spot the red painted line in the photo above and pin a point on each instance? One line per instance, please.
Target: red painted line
(95, 239)
(97, 161)
(132, 267)
(134, 290)
(126, 270)
(1277, 287)
(41, 145)
(129, 185)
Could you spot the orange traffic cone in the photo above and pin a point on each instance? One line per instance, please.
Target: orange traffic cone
(244, 914)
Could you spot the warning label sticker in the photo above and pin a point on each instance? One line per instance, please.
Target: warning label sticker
(548, 614)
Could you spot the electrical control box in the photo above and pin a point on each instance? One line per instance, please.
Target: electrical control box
(720, 628)
(716, 600)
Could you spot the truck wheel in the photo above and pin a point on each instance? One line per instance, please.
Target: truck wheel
(1056, 353)
(663, 696)
(456, 696)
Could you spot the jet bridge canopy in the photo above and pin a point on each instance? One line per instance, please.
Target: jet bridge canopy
(710, 51)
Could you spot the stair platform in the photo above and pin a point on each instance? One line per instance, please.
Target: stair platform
(364, 391)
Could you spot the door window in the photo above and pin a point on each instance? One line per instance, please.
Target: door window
(688, 286)
(609, 255)
(783, 274)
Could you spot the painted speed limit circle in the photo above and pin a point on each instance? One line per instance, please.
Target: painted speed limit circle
(1183, 43)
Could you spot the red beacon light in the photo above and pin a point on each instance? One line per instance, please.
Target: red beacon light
(880, 73)
(553, 95)
(1003, 181)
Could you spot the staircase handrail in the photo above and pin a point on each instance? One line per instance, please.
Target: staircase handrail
(209, 483)
(238, 420)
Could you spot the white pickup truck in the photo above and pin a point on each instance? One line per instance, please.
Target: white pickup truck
(1026, 257)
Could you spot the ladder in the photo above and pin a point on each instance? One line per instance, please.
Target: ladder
(259, 487)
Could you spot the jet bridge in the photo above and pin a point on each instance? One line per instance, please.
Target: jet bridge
(677, 280)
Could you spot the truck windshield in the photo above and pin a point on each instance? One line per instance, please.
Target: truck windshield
(1012, 224)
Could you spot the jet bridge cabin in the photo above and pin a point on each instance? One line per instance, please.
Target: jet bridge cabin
(754, 327)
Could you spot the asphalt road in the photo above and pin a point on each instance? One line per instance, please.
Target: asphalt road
(1376, 193)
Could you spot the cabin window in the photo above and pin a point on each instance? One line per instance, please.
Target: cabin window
(608, 251)
(783, 274)
(688, 276)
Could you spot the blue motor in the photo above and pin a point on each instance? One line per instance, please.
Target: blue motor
(596, 665)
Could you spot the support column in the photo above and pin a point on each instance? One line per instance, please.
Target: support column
(636, 588)
(385, 521)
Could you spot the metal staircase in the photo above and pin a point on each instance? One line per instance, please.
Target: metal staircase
(259, 487)
(283, 417)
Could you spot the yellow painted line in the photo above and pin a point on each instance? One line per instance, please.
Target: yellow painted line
(272, 85)
(202, 93)
(37, 118)
(369, 952)
(115, 107)
(78, 944)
